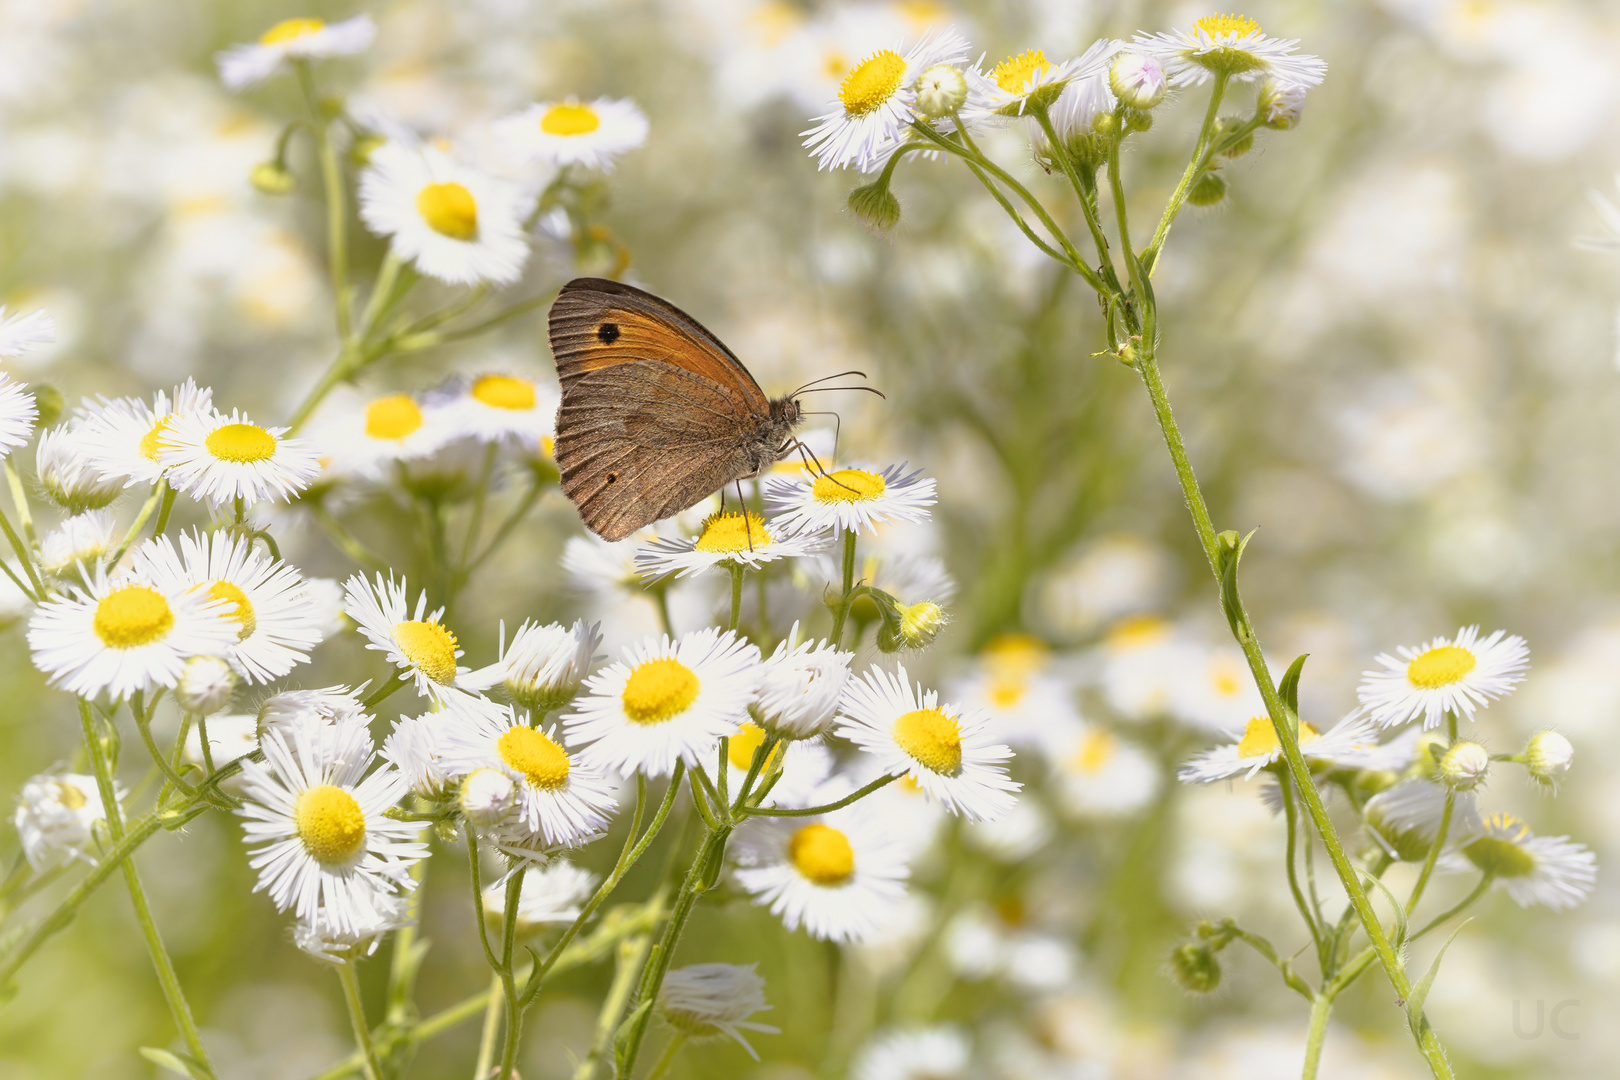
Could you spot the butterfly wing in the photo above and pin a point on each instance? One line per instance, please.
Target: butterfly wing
(656, 413)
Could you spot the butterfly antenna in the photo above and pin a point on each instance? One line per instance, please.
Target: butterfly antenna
(826, 389)
(826, 378)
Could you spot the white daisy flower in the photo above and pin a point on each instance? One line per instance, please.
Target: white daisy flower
(935, 1053)
(1549, 870)
(68, 473)
(264, 596)
(561, 801)
(800, 687)
(952, 755)
(242, 66)
(125, 636)
(366, 441)
(412, 747)
(543, 667)
(1214, 689)
(82, 538)
(323, 845)
(876, 103)
(368, 915)
(217, 458)
(17, 415)
(1405, 819)
(1101, 774)
(838, 875)
(669, 700)
(726, 539)
(121, 436)
(573, 132)
(852, 499)
(1143, 659)
(706, 1000)
(1454, 675)
(1258, 747)
(804, 769)
(497, 407)
(1084, 98)
(415, 642)
(1009, 86)
(21, 334)
(455, 223)
(56, 818)
(551, 895)
(331, 707)
(1014, 836)
(1231, 45)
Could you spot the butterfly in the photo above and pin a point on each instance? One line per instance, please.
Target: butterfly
(656, 414)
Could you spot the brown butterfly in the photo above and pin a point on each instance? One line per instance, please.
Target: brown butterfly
(656, 413)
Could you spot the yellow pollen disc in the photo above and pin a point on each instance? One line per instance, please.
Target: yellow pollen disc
(291, 30)
(1006, 693)
(659, 690)
(149, 441)
(330, 823)
(1216, 25)
(241, 444)
(70, 796)
(873, 82)
(922, 14)
(449, 209)
(1018, 73)
(741, 748)
(430, 649)
(1260, 738)
(931, 739)
(733, 532)
(848, 485)
(241, 608)
(570, 118)
(392, 417)
(133, 615)
(834, 65)
(1015, 654)
(1226, 684)
(1439, 667)
(822, 854)
(504, 392)
(909, 785)
(1095, 751)
(1137, 631)
(535, 755)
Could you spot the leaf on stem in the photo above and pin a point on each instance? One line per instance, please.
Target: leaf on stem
(1288, 689)
(1414, 1003)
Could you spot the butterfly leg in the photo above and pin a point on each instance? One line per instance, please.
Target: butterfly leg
(748, 526)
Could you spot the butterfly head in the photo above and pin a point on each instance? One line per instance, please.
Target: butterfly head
(785, 411)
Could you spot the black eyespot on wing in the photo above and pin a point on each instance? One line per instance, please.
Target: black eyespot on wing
(613, 478)
(607, 333)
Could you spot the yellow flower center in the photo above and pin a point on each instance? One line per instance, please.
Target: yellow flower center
(733, 532)
(872, 82)
(1137, 631)
(535, 755)
(131, 616)
(1439, 667)
(241, 444)
(570, 118)
(241, 608)
(848, 485)
(1017, 74)
(741, 748)
(822, 854)
(1260, 737)
(291, 30)
(1007, 692)
(931, 739)
(1225, 683)
(330, 823)
(1501, 855)
(1015, 654)
(429, 648)
(449, 209)
(149, 441)
(1095, 751)
(392, 417)
(659, 690)
(504, 392)
(1237, 25)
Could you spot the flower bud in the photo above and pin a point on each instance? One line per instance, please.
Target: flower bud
(1244, 144)
(1138, 120)
(206, 685)
(941, 90)
(1280, 105)
(1207, 190)
(1465, 766)
(487, 796)
(875, 205)
(1195, 967)
(273, 178)
(363, 147)
(50, 403)
(1137, 80)
(1548, 757)
(67, 474)
(918, 625)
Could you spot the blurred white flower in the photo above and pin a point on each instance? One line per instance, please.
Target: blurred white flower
(553, 894)
(1549, 870)
(82, 538)
(121, 436)
(17, 415)
(931, 1053)
(241, 66)
(1101, 774)
(20, 334)
(704, 1000)
(364, 441)
(503, 408)
(1234, 46)
(571, 132)
(56, 817)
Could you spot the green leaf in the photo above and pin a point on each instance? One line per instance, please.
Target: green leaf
(1400, 910)
(179, 1064)
(1228, 553)
(1414, 1004)
(1289, 687)
(625, 1037)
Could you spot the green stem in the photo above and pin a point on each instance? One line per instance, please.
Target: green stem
(475, 520)
(812, 811)
(24, 555)
(1306, 911)
(492, 1024)
(391, 683)
(1150, 258)
(1321, 1007)
(337, 217)
(164, 507)
(140, 521)
(357, 1020)
(736, 594)
(19, 498)
(1434, 851)
(667, 1058)
(1085, 192)
(844, 599)
(530, 497)
(340, 536)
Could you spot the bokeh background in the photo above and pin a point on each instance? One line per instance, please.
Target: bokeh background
(1386, 349)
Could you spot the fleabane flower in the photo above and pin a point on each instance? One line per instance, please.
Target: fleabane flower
(543, 666)
(1258, 747)
(68, 473)
(17, 415)
(21, 334)
(316, 823)
(800, 686)
(1101, 774)
(876, 102)
(416, 641)
(1549, 870)
(455, 223)
(668, 700)
(1457, 674)
(122, 636)
(936, 1053)
(365, 441)
(1405, 819)
(1233, 46)
(725, 540)
(1085, 96)
(82, 538)
(1029, 77)
(593, 134)
(56, 818)
(706, 1000)
(952, 755)
(368, 916)
(120, 436)
(852, 499)
(550, 895)
(497, 407)
(560, 802)
(245, 65)
(264, 596)
(218, 459)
